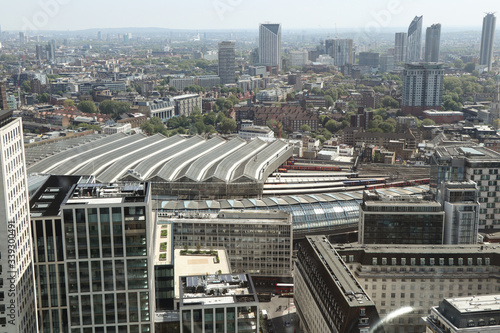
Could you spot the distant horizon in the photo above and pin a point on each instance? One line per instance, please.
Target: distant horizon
(239, 15)
(284, 29)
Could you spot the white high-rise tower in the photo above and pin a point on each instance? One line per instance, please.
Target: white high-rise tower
(17, 279)
(270, 45)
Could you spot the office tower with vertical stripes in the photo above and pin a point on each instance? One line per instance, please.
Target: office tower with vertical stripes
(432, 40)
(400, 47)
(227, 62)
(270, 45)
(17, 279)
(487, 39)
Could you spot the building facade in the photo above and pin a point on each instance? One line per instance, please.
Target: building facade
(411, 279)
(459, 202)
(414, 42)
(327, 296)
(400, 40)
(399, 220)
(478, 164)
(257, 242)
(487, 39)
(108, 235)
(17, 276)
(432, 42)
(47, 226)
(227, 64)
(342, 52)
(270, 45)
(219, 303)
(422, 88)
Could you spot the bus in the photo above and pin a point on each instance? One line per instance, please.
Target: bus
(284, 288)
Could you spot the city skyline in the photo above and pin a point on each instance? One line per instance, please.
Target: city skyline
(225, 14)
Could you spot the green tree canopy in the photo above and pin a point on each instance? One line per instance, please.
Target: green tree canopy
(305, 128)
(114, 108)
(87, 107)
(227, 125)
(69, 103)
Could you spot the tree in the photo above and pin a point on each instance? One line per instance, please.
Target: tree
(43, 98)
(389, 102)
(114, 108)
(87, 107)
(69, 103)
(172, 89)
(26, 87)
(305, 128)
(153, 126)
(352, 105)
(227, 125)
(428, 122)
(459, 64)
(470, 67)
(329, 100)
(332, 126)
(496, 123)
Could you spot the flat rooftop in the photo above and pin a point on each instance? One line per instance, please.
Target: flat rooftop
(48, 198)
(185, 265)
(217, 289)
(472, 304)
(339, 272)
(472, 154)
(419, 249)
(97, 193)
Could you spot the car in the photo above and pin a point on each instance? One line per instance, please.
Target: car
(287, 323)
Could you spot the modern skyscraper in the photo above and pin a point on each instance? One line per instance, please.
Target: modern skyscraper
(478, 164)
(51, 51)
(3, 97)
(226, 62)
(270, 45)
(329, 47)
(17, 278)
(414, 44)
(432, 40)
(108, 238)
(400, 41)
(422, 88)
(342, 52)
(487, 38)
(399, 220)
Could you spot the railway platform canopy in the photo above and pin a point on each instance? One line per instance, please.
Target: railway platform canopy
(311, 213)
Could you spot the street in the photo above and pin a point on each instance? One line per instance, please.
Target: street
(282, 316)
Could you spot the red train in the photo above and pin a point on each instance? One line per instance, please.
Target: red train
(310, 167)
(399, 184)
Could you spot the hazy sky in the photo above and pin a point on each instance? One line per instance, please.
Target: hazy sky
(239, 14)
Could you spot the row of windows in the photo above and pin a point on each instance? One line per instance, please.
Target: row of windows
(425, 262)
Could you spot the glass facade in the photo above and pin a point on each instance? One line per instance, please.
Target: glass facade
(107, 268)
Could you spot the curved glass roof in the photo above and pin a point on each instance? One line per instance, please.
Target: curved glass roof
(309, 212)
(226, 167)
(144, 169)
(171, 169)
(80, 146)
(118, 168)
(200, 167)
(78, 161)
(98, 165)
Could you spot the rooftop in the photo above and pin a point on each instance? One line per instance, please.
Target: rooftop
(339, 272)
(108, 193)
(471, 304)
(217, 289)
